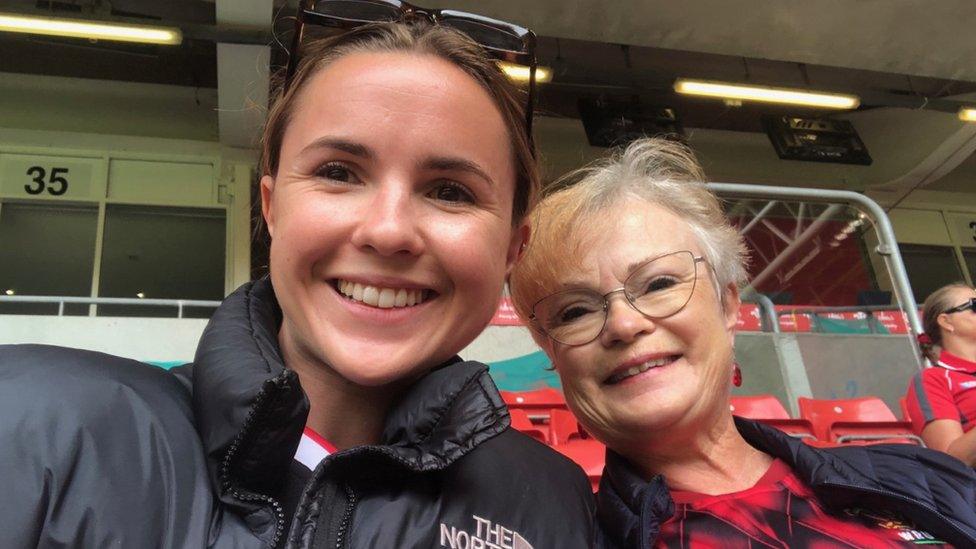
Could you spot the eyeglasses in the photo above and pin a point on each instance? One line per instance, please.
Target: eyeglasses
(657, 289)
(969, 305)
(503, 40)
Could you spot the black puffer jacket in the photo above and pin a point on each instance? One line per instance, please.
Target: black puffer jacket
(449, 470)
(100, 451)
(936, 492)
(449, 473)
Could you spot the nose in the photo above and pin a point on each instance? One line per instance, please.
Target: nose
(624, 323)
(389, 224)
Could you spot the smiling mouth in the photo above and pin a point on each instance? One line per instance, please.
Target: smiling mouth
(382, 298)
(641, 368)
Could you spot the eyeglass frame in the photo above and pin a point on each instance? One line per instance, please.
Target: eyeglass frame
(696, 259)
(970, 305)
(409, 12)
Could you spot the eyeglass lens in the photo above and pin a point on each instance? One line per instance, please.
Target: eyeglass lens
(356, 10)
(657, 289)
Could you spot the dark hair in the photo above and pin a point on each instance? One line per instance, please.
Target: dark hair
(422, 38)
(937, 303)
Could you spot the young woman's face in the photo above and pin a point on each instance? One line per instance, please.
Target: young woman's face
(390, 216)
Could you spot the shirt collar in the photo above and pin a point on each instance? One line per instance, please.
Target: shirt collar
(952, 362)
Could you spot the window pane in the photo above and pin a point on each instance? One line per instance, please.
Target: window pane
(161, 253)
(970, 257)
(929, 268)
(46, 249)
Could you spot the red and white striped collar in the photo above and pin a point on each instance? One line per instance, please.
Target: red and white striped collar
(312, 449)
(952, 362)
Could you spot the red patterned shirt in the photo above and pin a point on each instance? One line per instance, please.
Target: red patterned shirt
(781, 511)
(945, 391)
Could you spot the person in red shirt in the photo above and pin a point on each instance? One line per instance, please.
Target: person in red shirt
(941, 401)
(630, 285)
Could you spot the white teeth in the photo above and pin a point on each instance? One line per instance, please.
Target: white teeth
(640, 368)
(386, 299)
(383, 298)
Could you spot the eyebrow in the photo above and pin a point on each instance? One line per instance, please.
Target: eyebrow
(344, 145)
(450, 163)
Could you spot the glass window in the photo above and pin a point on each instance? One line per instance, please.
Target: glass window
(46, 249)
(969, 255)
(929, 268)
(161, 253)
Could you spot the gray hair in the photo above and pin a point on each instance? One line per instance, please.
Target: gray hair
(656, 170)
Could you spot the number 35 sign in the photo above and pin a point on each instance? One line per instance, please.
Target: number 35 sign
(45, 177)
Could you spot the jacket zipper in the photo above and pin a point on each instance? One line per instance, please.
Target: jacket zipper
(894, 495)
(247, 495)
(346, 517)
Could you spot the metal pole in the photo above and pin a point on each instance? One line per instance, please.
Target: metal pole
(762, 213)
(766, 307)
(888, 247)
(801, 240)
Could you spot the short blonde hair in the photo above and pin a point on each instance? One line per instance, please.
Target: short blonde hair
(656, 170)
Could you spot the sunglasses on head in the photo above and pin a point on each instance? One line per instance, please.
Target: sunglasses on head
(969, 305)
(504, 41)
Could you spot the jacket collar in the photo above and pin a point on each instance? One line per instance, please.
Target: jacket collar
(905, 478)
(245, 399)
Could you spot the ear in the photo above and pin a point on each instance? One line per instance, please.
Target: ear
(520, 239)
(731, 308)
(267, 190)
(944, 322)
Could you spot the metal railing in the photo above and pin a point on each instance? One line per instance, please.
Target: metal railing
(887, 243)
(62, 300)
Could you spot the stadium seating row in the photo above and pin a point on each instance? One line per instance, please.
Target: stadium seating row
(543, 415)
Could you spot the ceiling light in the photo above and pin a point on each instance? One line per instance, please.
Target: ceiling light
(768, 95)
(77, 28)
(520, 73)
(967, 114)
(10, 292)
(141, 295)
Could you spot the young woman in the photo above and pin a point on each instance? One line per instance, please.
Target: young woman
(331, 405)
(631, 286)
(942, 400)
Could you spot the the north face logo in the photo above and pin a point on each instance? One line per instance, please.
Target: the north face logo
(487, 535)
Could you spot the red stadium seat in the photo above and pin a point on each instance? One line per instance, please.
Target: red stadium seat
(563, 427)
(856, 420)
(522, 423)
(537, 399)
(768, 410)
(589, 454)
(759, 407)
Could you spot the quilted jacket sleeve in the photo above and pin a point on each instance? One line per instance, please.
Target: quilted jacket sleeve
(97, 451)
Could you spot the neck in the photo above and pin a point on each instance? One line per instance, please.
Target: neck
(960, 346)
(343, 413)
(716, 460)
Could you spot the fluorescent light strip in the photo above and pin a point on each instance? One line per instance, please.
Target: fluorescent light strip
(767, 95)
(967, 114)
(520, 73)
(83, 29)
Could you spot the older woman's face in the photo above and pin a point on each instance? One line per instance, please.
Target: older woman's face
(690, 351)
(962, 323)
(390, 216)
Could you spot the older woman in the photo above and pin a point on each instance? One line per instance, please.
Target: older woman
(330, 403)
(630, 286)
(942, 400)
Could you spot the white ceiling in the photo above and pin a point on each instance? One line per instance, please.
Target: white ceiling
(918, 37)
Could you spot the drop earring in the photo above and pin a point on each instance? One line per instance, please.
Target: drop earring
(736, 374)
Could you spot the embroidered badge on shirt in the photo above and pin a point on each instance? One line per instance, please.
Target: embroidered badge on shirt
(899, 527)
